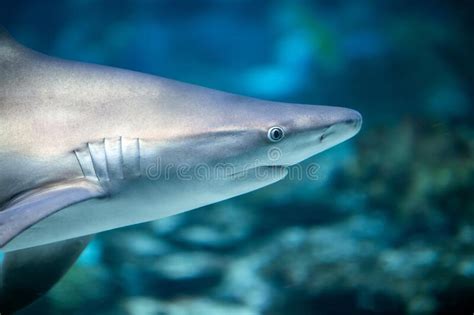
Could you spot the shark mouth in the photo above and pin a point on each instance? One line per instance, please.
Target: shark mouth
(263, 173)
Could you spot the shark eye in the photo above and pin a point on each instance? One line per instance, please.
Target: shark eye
(275, 134)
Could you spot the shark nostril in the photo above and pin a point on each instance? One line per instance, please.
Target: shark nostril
(354, 120)
(350, 121)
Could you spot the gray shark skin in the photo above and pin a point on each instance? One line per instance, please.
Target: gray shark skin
(87, 148)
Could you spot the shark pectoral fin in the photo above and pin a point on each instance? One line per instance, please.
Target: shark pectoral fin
(27, 274)
(35, 205)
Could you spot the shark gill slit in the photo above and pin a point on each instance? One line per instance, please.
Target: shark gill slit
(99, 160)
(139, 157)
(107, 160)
(85, 162)
(110, 159)
(80, 164)
(113, 157)
(130, 157)
(121, 156)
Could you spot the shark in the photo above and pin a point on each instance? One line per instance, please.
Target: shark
(87, 148)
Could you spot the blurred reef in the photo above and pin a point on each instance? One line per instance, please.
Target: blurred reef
(388, 226)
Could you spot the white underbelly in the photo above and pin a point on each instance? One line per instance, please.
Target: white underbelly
(138, 204)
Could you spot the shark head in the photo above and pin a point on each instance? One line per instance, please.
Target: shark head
(237, 144)
(283, 135)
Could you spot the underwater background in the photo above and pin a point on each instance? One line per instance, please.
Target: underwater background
(387, 227)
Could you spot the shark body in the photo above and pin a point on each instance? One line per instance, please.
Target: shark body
(86, 148)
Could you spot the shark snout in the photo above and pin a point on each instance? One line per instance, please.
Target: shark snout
(317, 129)
(345, 123)
(342, 123)
(352, 119)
